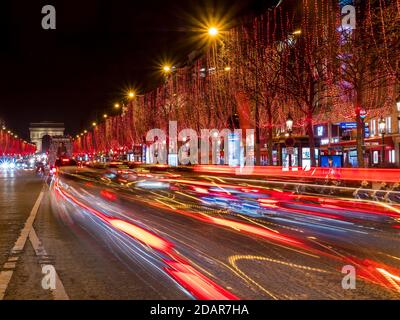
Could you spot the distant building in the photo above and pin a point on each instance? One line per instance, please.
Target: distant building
(42, 132)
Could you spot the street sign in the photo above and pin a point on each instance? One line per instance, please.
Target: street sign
(348, 125)
(363, 113)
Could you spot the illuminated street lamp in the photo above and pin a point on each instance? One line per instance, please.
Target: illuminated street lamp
(116, 106)
(131, 94)
(94, 124)
(382, 126)
(213, 32)
(382, 131)
(166, 69)
(105, 116)
(289, 124)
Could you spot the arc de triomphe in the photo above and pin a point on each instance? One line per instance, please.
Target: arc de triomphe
(45, 128)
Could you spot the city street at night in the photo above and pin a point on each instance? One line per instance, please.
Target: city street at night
(207, 159)
(152, 233)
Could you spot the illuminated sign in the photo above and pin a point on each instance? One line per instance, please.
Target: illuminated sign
(324, 142)
(348, 125)
(320, 131)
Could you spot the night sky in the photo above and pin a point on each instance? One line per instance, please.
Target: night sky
(99, 50)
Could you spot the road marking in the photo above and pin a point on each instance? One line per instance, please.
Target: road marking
(20, 243)
(59, 292)
(10, 265)
(5, 275)
(28, 231)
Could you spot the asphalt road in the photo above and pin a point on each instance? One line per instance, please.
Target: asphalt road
(165, 236)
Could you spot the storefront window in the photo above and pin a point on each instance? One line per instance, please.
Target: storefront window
(375, 157)
(392, 156)
(306, 158)
(295, 156)
(275, 157)
(388, 124)
(353, 158)
(373, 127)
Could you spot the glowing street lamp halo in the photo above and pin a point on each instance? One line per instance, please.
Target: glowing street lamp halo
(213, 31)
(167, 68)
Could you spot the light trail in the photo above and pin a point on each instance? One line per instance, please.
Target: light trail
(189, 278)
(348, 174)
(275, 197)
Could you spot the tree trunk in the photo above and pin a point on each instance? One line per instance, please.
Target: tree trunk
(257, 145)
(360, 142)
(257, 133)
(279, 147)
(360, 130)
(311, 142)
(270, 137)
(270, 146)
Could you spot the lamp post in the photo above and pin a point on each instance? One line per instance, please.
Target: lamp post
(289, 141)
(382, 131)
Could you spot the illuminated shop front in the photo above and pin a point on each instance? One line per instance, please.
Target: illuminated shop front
(300, 153)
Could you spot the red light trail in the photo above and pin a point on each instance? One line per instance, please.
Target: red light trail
(193, 281)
